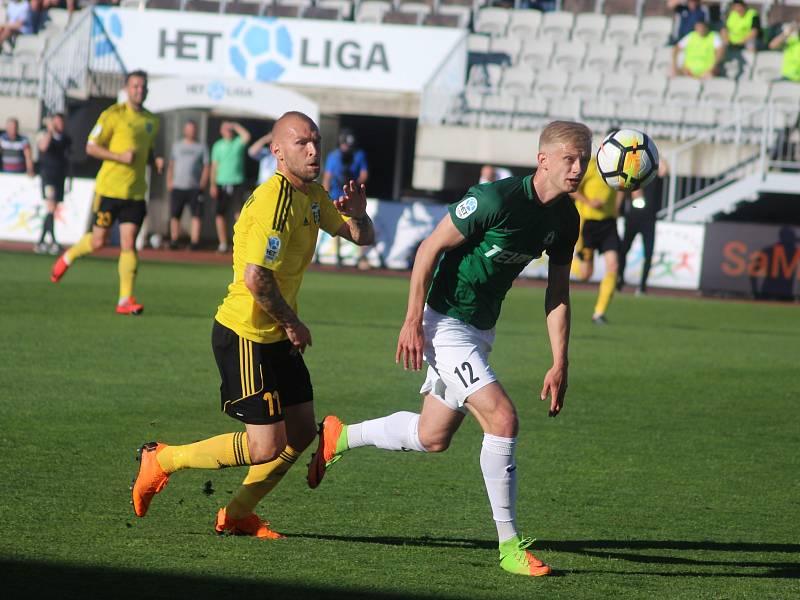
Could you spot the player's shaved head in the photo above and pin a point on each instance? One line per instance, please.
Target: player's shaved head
(296, 145)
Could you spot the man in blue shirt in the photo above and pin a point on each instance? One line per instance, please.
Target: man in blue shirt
(344, 164)
(686, 15)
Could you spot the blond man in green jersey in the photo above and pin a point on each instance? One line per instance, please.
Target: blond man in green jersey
(461, 275)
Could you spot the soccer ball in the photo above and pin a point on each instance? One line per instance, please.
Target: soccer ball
(627, 159)
(260, 49)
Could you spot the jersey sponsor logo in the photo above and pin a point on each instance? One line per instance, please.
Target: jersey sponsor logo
(548, 239)
(273, 247)
(507, 257)
(148, 127)
(315, 212)
(466, 207)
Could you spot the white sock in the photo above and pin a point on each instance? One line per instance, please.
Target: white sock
(399, 431)
(500, 475)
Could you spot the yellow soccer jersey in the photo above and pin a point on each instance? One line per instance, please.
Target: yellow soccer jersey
(277, 230)
(120, 129)
(593, 187)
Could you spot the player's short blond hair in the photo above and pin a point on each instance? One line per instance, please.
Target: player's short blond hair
(566, 132)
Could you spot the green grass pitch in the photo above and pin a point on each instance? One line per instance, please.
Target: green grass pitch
(671, 473)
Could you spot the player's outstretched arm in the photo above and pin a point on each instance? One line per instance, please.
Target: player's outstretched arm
(557, 313)
(411, 340)
(264, 288)
(353, 203)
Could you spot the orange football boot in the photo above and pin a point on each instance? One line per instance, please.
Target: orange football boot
(330, 430)
(252, 524)
(59, 268)
(150, 479)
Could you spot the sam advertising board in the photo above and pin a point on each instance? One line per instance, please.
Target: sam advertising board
(761, 261)
(271, 50)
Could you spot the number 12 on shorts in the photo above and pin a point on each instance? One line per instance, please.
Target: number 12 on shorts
(466, 368)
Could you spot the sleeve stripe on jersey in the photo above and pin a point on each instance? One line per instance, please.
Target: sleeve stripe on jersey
(284, 202)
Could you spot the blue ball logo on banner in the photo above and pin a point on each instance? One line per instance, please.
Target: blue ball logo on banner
(260, 49)
(106, 29)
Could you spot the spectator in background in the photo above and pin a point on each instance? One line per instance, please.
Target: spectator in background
(15, 150)
(346, 163)
(490, 173)
(789, 40)
(740, 34)
(187, 177)
(640, 219)
(22, 18)
(686, 15)
(262, 152)
(54, 147)
(227, 176)
(699, 53)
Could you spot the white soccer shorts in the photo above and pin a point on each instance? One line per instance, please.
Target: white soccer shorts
(458, 359)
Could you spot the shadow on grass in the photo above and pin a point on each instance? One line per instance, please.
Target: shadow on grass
(616, 549)
(30, 579)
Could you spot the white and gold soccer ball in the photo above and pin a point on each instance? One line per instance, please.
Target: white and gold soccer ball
(627, 159)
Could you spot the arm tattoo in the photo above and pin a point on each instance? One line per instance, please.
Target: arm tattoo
(361, 230)
(267, 295)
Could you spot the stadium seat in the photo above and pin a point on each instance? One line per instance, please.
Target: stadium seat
(635, 115)
(242, 7)
(462, 13)
(517, 81)
(654, 31)
(589, 28)
(568, 56)
(767, 66)
(473, 105)
(345, 7)
(58, 17)
(497, 111)
(322, 13)
(662, 62)
(418, 8)
(683, 90)
(579, 6)
(372, 11)
(510, 46)
(567, 108)
(601, 112)
(493, 21)
(442, 20)
(585, 84)
(531, 112)
(535, 54)
(398, 17)
(665, 120)
(649, 88)
(696, 121)
(206, 6)
(620, 7)
(31, 45)
(636, 60)
(618, 88)
(718, 91)
(751, 93)
(621, 30)
(551, 83)
(484, 77)
(602, 58)
(556, 26)
(524, 23)
(478, 43)
(785, 97)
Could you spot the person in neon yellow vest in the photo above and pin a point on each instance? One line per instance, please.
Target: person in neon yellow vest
(698, 53)
(789, 40)
(741, 32)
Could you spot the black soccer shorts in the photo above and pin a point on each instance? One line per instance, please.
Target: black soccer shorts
(125, 211)
(53, 188)
(180, 198)
(258, 380)
(599, 235)
(229, 196)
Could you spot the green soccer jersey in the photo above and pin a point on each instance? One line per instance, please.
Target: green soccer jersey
(506, 227)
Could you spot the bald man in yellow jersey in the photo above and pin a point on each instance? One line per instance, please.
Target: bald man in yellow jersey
(124, 139)
(598, 206)
(258, 338)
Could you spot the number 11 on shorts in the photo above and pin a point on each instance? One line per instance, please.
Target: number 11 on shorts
(466, 368)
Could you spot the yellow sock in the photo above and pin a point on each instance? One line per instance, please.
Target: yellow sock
(127, 272)
(607, 287)
(576, 269)
(82, 248)
(226, 450)
(260, 481)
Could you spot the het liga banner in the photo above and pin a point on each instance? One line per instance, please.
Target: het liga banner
(273, 50)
